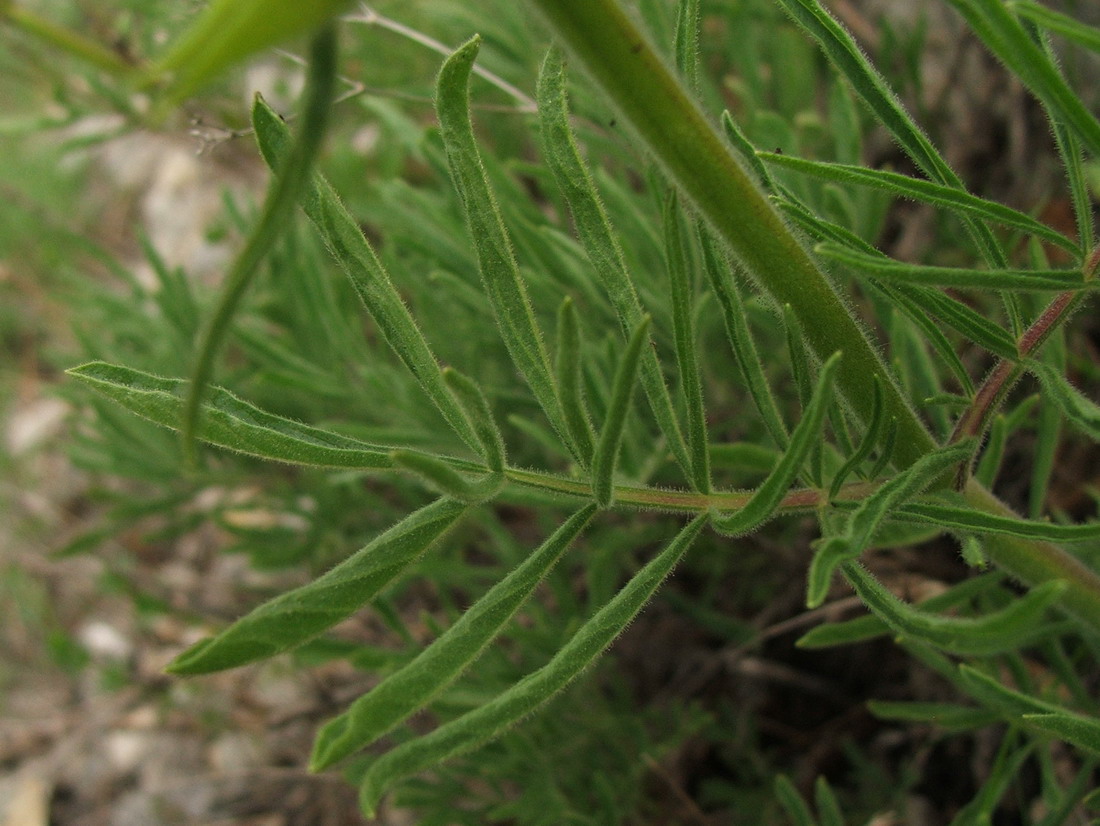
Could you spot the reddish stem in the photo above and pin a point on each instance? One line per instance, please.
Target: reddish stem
(1007, 371)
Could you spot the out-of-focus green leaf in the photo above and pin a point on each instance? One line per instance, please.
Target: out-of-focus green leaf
(229, 31)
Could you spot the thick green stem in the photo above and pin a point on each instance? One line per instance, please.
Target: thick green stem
(1035, 562)
(654, 102)
(648, 94)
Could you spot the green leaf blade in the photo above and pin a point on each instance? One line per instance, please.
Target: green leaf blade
(488, 721)
(904, 186)
(567, 365)
(1051, 280)
(298, 615)
(1063, 24)
(763, 503)
(402, 693)
(231, 423)
(500, 275)
(479, 415)
(1082, 732)
(344, 239)
(976, 521)
(601, 245)
(961, 318)
(996, 633)
(611, 434)
(1078, 410)
(944, 715)
(691, 383)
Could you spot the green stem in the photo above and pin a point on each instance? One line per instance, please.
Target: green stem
(66, 40)
(1035, 562)
(278, 210)
(620, 58)
(690, 502)
(649, 96)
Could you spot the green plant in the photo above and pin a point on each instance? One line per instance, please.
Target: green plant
(711, 241)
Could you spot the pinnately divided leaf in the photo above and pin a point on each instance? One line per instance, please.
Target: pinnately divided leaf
(298, 615)
(621, 60)
(344, 240)
(490, 720)
(413, 687)
(763, 503)
(500, 274)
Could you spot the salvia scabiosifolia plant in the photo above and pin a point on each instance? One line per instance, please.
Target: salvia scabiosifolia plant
(662, 341)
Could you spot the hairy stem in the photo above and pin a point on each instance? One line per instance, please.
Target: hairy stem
(652, 100)
(278, 209)
(1034, 562)
(1006, 373)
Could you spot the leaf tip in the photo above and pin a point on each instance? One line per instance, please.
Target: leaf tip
(370, 794)
(187, 662)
